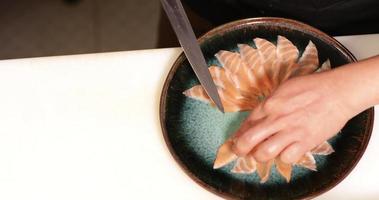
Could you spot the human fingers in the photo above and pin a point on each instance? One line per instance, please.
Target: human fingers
(260, 131)
(275, 144)
(293, 153)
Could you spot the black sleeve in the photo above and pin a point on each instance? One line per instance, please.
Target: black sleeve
(335, 17)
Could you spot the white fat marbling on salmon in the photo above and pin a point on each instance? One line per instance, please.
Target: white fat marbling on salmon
(266, 49)
(287, 55)
(267, 52)
(232, 104)
(229, 60)
(325, 66)
(197, 92)
(255, 63)
(224, 79)
(250, 56)
(284, 169)
(238, 69)
(308, 161)
(225, 155)
(286, 51)
(308, 61)
(245, 165)
(264, 169)
(323, 149)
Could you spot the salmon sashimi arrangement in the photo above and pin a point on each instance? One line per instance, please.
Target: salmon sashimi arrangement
(245, 79)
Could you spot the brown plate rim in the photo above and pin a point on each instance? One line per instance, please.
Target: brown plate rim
(253, 21)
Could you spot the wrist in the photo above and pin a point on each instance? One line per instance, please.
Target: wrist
(356, 85)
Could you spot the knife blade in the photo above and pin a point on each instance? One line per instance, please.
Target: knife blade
(187, 39)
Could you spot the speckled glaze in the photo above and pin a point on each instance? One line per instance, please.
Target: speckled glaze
(194, 130)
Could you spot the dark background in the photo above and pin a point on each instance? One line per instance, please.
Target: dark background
(31, 28)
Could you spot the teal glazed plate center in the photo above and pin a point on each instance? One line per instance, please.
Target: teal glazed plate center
(194, 130)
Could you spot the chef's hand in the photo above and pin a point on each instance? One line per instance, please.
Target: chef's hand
(306, 111)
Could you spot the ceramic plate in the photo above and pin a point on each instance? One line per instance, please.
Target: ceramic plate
(193, 130)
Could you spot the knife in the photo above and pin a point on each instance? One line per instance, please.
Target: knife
(183, 30)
